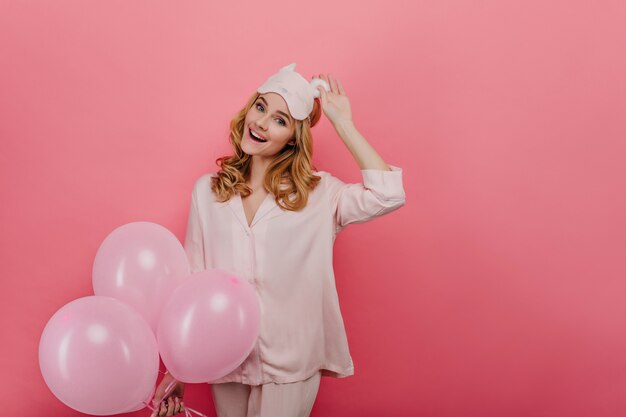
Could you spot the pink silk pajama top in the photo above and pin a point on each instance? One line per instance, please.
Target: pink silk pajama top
(288, 257)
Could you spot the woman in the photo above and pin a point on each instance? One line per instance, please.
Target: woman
(270, 217)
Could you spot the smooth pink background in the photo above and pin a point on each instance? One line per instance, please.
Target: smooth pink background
(498, 290)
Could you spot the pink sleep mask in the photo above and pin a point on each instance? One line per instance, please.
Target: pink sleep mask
(295, 89)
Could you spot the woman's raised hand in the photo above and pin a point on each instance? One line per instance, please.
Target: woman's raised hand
(335, 103)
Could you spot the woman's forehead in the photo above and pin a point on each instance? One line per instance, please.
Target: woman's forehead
(276, 101)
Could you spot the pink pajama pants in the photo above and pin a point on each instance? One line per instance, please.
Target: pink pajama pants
(295, 399)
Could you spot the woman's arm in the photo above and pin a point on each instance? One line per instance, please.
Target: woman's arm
(336, 107)
(365, 155)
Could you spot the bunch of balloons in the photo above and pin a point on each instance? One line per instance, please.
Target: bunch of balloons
(100, 354)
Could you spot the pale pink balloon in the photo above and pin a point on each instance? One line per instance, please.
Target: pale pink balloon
(140, 264)
(99, 356)
(143, 403)
(209, 326)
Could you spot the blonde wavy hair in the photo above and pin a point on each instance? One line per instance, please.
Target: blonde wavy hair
(289, 176)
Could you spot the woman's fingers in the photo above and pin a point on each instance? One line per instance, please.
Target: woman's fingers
(162, 409)
(341, 91)
(333, 84)
(170, 407)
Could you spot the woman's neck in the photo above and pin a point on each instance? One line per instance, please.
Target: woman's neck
(257, 174)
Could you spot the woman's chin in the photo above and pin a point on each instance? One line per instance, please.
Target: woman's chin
(246, 150)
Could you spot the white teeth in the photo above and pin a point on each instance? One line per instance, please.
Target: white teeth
(256, 136)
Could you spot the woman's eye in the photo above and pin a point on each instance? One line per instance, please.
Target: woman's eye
(281, 121)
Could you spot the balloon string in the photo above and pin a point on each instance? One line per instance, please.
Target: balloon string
(168, 391)
(188, 410)
(170, 388)
(153, 409)
(194, 411)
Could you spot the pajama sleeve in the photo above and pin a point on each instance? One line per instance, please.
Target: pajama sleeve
(194, 246)
(380, 193)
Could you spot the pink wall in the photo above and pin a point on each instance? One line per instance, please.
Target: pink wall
(498, 290)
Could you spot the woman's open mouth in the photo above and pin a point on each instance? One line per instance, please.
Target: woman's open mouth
(255, 138)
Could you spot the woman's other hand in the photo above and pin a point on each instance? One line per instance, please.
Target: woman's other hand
(172, 403)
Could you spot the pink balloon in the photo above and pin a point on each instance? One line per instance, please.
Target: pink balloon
(142, 404)
(140, 264)
(99, 356)
(209, 326)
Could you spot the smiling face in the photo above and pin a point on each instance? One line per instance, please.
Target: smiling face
(269, 119)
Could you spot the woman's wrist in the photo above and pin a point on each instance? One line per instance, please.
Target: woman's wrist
(343, 125)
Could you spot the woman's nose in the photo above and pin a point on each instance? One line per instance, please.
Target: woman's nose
(262, 121)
